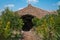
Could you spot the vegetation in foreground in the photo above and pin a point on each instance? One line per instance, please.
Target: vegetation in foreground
(48, 27)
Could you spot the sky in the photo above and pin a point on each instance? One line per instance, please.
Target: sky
(15, 5)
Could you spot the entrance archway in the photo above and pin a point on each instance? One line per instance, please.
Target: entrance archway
(27, 19)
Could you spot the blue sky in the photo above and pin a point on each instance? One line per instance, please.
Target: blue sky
(48, 5)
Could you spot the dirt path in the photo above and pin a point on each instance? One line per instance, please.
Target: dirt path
(29, 35)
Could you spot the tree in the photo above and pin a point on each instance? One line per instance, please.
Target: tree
(58, 10)
(57, 24)
(45, 27)
(9, 23)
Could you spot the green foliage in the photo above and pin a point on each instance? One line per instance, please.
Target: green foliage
(46, 27)
(50, 22)
(16, 22)
(9, 21)
(58, 11)
(57, 24)
(36, 22)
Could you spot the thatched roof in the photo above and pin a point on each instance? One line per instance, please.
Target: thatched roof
(31, 10)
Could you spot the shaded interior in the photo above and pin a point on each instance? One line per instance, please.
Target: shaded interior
(27, 19)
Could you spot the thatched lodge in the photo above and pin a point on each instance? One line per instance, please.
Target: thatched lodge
(29, 12)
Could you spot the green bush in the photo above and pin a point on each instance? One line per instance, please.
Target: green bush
(9, 22)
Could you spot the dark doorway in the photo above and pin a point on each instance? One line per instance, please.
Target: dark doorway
(27, 19)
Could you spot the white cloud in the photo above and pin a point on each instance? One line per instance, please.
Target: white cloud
(20, 8)
(32, 1)
(9, 5)
(1, 10)
(58, 3)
